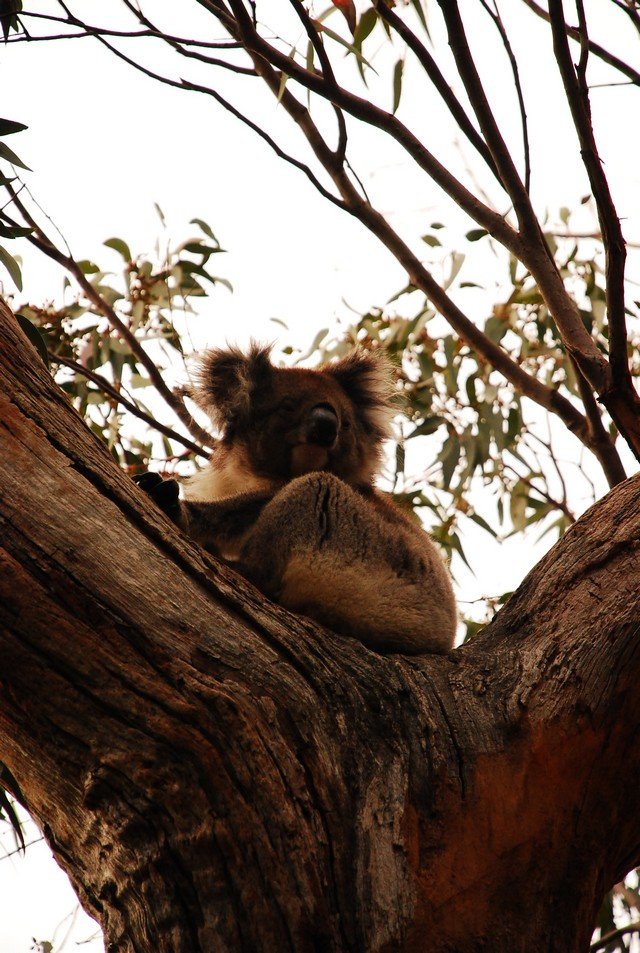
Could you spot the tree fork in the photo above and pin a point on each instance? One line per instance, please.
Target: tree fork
(215, 773)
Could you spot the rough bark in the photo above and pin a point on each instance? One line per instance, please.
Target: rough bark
(217, 774)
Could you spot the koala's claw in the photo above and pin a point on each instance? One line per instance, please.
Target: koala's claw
(147, 481)
(165, 493)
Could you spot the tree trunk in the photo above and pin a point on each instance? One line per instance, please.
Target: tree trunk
(216, 774)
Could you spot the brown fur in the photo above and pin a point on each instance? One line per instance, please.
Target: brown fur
(289, 495)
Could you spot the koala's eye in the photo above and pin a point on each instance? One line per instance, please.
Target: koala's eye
(346, 423)
(288, 405)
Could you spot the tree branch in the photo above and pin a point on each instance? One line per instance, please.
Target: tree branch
(418, 274)
(595, 48)
(109, 389)
(432, 70)
(497, 19)
(577, 93)
(613, 935)
(509, 176)
(599, 436)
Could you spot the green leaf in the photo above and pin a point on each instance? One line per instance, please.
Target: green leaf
(400, 460)
(8, 126)
(483, 523)
(349, 46)
(475, 234)
(9, 783)
(448, 457)
(35, 336)
(88, 267)
(12, 267)
(7, 808)
(205, 228)
(518, 506)
(417, 6)
(430, 239)
(14, 231)
(10, 156)
(8, 11)
(284, 79)
(496, 328)
(457, 260)
(366, 23)
(120, 246)
(397, 84)
(428, 426)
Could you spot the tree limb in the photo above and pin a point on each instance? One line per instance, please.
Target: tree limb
(216, 773)
(109, 389)
(577, 92)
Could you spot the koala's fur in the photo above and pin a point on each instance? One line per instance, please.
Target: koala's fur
(289, 497)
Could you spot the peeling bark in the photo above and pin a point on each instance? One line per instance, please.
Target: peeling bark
(215, 773)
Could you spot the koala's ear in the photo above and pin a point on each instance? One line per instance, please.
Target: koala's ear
(226, 379)
(367, 379)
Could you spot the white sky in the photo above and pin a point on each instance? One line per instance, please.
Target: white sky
(105, 143)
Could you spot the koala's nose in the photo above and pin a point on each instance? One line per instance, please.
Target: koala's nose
(322, 426)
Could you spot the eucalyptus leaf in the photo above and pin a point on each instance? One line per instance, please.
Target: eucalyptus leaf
(10, 156)
(8, 127)
(35, 336)
(12, 267)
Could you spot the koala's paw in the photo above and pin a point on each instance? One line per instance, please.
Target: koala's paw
(165, 493)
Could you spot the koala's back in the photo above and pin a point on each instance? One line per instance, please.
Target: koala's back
(351, 560)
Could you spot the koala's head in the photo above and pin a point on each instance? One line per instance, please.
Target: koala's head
(290, 421)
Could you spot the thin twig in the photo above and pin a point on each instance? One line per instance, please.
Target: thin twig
(113, 392)
(594, 48)
(497, 19)
(418, 274)
(92, 30)
(432, 70)
(614, 935)
(21, 850)
(185, 84)
(577, 93)
(178, 46)
(558, 504)
(609, 457)
(327, 71)
(509, 175)
(631, 10)
(532, 250)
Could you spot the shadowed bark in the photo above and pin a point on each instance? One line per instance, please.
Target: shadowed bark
(217, 774)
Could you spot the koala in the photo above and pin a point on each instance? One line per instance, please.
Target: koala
(288, 498)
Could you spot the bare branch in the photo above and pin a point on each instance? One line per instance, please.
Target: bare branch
(577, 92)
(432, 70)
(88, 30)
(509, 175)
(631, 10)
(608, 455)
(179, 47)
(497, 19)
(208, 91)
(327, 70)
(614, 935)
(594, 48)
(367, 112)
(418, 274)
